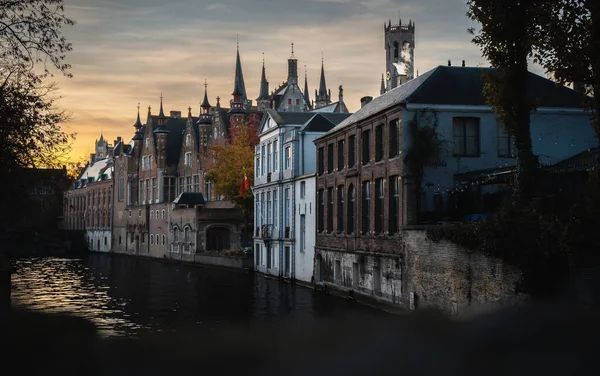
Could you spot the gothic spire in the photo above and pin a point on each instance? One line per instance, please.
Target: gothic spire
(264, 84)
(138, 123)
(239, 87)
(306, 93)
(161, 113)
(322, 84)
(205, 104)
(382, 90)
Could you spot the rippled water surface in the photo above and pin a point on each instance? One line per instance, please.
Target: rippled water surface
(126, 295)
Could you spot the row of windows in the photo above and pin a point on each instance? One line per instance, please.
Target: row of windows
(466, 143)
(380, 131)
(340, 203)
(146, 162)
(268, 159)
(157, 215)
(159, 241)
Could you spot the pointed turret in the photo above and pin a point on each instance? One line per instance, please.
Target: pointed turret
(263, 101)
(138, 122)
(292, 69)
(205, 117)
(306, 93)
(382, 90)
(161, 112)
(239, 88)
(323, 96)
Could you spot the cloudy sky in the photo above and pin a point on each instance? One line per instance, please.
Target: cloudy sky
(129, 51)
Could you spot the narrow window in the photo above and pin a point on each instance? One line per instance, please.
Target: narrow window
(302, 232)
(257, 167)
(379, 202)
(351, 151)
(395, 50)
(269, 154)
(269, 219)
(287, 213)
(188, 158)
(275, 156)
(366, 150)
(351, 209)
(151, 238)
(297, 102)
(321, 163)
(263, 167)
(121, 185)
(288, 158)
(366, 206)
(302, 189)
(289, 100)
(321, 210)
(340, 155)
(393, 138)
(330, 158)
(188, 139)
(340, 209)
(378, 143)
(275, 210)
(394, 191)
(330, 209)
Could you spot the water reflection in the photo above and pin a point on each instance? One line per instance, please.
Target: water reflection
(126, 295)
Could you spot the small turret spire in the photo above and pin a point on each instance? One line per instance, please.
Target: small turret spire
(239, 88)
(205, 105)
(382, 90)
(161, 112)
(306, 93)
(138, 122)
(322, 84)
(264, 84)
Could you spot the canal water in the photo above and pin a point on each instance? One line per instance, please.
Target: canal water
(128, 296)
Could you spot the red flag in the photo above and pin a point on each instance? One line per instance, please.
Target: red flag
(245, 185)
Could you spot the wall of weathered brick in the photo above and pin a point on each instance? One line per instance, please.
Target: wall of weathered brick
(440, 275)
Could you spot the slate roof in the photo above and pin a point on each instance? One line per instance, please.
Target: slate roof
(190, 198)
(97, 171)
(290, 118)
(461, 86)
(176, 128)
(581, 162)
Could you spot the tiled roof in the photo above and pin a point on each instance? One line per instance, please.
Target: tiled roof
(461, 86)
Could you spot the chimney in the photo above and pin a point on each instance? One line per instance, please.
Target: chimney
(463, 63)
(118, 140)
(92, 158)
(365, 101)
(449, 63)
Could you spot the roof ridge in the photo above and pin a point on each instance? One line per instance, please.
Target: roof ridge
(435, 70)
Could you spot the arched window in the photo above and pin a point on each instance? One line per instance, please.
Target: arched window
(187, 235)
(163, 214)
(351, 200)
(151, 213)
(395, 50)
(151, 238)
(163, 240)
(175, 234)
(188, 139)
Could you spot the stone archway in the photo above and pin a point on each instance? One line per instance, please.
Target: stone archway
(218, 238)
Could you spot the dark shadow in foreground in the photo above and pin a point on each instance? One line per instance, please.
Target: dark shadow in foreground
(545, 339)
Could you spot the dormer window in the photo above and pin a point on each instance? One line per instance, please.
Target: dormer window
(188, 159)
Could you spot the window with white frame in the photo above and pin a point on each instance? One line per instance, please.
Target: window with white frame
(302, 189)
(263, 167)
(269, 156)
(275, 155)
(188, 158)
(147, 142)
(275, 209)
(163, 214)
(288, 158)
(188, 139)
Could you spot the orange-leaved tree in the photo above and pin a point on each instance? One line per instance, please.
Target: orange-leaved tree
(232, 170)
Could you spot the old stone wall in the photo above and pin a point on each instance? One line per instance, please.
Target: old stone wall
(420, 274)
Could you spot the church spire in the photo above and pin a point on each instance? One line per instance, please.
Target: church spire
(239, 88)
(306, 92)
(322, 84)
(264, 84)
(382, 90)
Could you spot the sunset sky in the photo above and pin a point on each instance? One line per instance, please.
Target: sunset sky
(129, 51)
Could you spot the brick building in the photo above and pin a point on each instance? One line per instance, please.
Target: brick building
(367, 194)
(88, 204)
(161, 194)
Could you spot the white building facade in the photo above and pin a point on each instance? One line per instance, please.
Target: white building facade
(284, 192)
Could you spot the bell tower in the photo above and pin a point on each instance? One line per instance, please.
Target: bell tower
(399, 53)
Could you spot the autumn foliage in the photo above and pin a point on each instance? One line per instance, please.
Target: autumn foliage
(232, 160)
